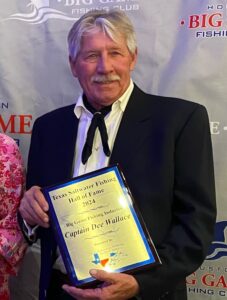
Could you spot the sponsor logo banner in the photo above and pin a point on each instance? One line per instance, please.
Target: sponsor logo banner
(210, 280)
(39, 11)
(208, 23)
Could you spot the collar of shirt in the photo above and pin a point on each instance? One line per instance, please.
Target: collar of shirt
(97, 159)
(120, 103)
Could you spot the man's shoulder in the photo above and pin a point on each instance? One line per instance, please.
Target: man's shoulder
(61, 113)
(166, 103)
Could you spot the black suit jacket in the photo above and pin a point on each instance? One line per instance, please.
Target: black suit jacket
(164, 148)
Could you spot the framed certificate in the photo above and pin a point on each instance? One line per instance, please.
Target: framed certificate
(97, 225)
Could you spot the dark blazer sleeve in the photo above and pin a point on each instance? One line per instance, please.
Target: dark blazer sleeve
(190, 231)
(52, 149)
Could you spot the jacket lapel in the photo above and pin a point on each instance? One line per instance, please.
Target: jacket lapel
(132, 124)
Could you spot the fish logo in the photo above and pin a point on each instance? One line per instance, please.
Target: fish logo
(218, 247)
(40, 13)
(39, 3)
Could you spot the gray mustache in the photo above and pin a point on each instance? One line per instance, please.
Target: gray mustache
(105, 78)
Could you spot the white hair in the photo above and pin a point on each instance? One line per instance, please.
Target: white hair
(113, 23)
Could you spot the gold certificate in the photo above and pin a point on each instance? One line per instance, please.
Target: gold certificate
(97, 226)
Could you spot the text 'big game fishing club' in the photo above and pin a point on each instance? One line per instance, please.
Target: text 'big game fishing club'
(210, 24)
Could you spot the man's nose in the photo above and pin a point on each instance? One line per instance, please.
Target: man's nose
(104, 64)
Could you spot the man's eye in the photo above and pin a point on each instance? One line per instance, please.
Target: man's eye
(93, 55)
(115, 53)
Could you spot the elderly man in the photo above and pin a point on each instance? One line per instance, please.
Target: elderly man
(162, 144)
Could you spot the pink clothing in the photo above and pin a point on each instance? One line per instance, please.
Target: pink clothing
(12, 243)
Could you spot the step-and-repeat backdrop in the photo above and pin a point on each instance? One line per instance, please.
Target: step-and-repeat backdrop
(182, 53)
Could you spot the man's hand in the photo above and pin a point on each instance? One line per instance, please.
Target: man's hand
(33, 208)
(115, 286)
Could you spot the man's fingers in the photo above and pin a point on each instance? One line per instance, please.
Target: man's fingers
(83, 294)
(37, 205)
(34, 207)
(33, 218)
(102, 275)
(34, 196)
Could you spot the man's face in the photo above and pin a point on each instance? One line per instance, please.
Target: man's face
(103, 68)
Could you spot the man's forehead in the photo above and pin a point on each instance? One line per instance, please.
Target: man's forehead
(116, 37)
(100, 40)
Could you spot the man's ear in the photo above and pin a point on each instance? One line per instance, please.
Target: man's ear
(73, 66)
(134, 60)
